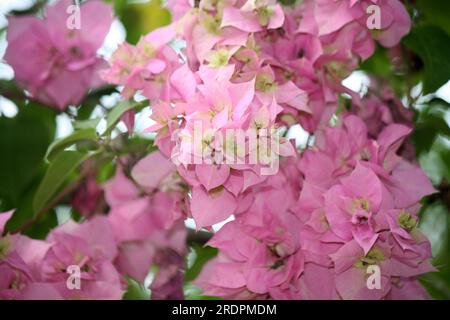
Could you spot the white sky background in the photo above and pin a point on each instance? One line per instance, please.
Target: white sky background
(357, 81)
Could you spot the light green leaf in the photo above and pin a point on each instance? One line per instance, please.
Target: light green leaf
(77, 136)
(135, 291)
(141, 18)
(116, 113)
(86, 124)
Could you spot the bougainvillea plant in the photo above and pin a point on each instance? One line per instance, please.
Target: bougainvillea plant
(259, 173)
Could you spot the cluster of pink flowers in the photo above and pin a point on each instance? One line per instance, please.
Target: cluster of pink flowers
(57, 65)
(143, 228)
(312, 230)
(308, 231)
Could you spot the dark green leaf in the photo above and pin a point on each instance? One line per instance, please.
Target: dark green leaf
(24, 211)
(23, 143)
(201, 255)
(436, 12)
(430, 124)
(432, 44)
(40, 228)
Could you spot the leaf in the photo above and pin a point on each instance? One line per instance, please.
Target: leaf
(430, 124)
(92, 101)
(23, 143)
(135, 291)
(24, 211)
(432, 45)
(141, 18)
(40, 228)
(435, 223)
(59, 170)
(436, 162)
(200, 256)
(287, 2)
(116, 113)
(435, 12)
(86, 124)
(192, 292)
(56, 147)
(106, 172)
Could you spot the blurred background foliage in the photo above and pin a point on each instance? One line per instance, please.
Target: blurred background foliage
(26, 136)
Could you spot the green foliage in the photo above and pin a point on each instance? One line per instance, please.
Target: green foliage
(24, 141)
(435, 12)
(436, 225)
(432, 45)
(135, 291)
(141, 18)
(198, 257)
(83, 135)
(41, 227)
(430, 124)
(33, 186)
(24, 211)
(192, 292)
(288, 2)
(116, 113)
(58, 172)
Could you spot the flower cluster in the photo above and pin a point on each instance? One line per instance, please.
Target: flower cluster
(353, 205)
(144, 228)
(55, 64)
(313, 228)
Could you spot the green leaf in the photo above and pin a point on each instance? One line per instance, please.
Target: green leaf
(24, 211)
(135, 291)
(116, 113)
(40, 228)
(86, 124)
(288, 2)
(106, 172)
(200, 255)
(430, 124)
(23, 143)
(64, 164)
(141, 18)
(436, 162)
(192, 292)
(436, 12)
(432, 45)
(435, 223)
(89, 135)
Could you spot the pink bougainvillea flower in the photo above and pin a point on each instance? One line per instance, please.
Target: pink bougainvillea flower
(55, 64)
(254, 16)
(254, 261)
(145, 67)
(351, 208)
(92, 248)
(146, 224)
